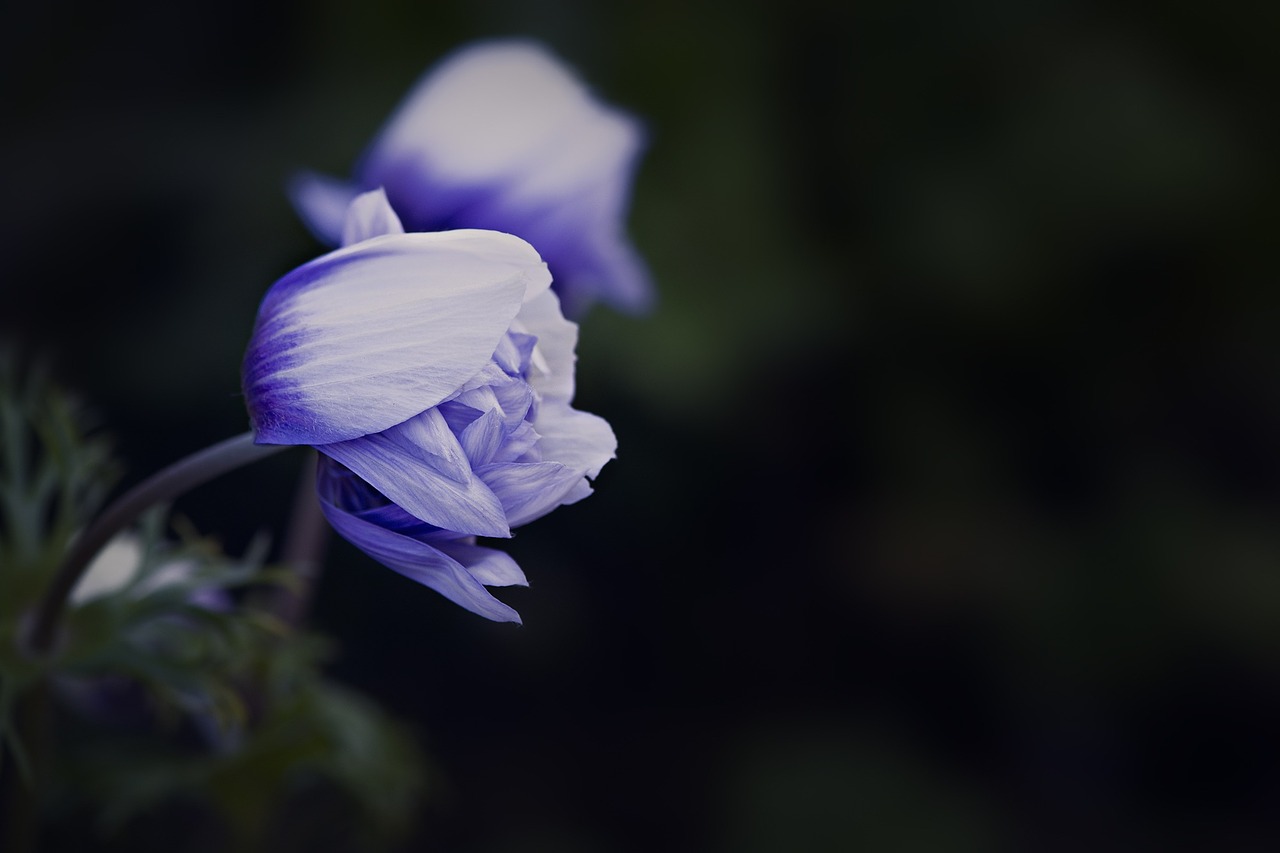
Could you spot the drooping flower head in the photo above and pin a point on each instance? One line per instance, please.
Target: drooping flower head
(434, 373)
(501, 136)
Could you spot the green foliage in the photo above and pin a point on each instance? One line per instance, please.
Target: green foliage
(174, 627)
(173, 683)
(55, 472)
(316, 761)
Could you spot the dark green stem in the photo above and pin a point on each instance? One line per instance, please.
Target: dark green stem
(165, 485)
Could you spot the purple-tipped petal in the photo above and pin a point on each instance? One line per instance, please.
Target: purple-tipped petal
(427, 565)
(368, 336)
(421, 466)
(503, 135)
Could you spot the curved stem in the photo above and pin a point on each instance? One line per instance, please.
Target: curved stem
(164, 485)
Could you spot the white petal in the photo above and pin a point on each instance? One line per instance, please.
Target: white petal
(486, 112)
(551, 373)
(589, 160)
(112, 569)
(370, 215)
(370, 335)
(579, 440)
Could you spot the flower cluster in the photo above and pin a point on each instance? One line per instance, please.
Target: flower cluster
(433, 367)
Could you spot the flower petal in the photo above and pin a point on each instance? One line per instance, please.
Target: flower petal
(579, 440)
(615, 273)
(530, 490)
(112, 570)
(322, 203)
(488, 565)
(369, 215)
(427, 565)
(552, 365)
(368, 336)
(421, 467)
(503, 135)
(484, 113)
(483, 437)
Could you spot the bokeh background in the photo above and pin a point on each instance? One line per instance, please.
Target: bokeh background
(946, 515)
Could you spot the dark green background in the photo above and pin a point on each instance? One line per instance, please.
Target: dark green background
(946, 514)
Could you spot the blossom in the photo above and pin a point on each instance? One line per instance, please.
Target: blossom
(500, 135)
(434, 373)
(118, 568)
(111, 571)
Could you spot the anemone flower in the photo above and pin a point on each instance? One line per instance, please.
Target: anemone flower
(434, 373)
(501, 135)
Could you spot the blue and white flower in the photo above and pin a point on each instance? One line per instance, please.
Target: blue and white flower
(501, 136)
(434, 373)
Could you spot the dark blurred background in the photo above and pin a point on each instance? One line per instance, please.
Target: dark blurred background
(946, 514)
